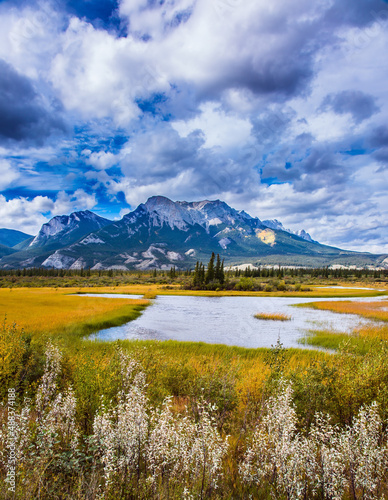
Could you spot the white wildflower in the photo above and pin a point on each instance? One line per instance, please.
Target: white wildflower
(121, 433)
(58, 424)
(328, 475)
(48, 384)
(277, 452)
(204, 459)
(365, 455)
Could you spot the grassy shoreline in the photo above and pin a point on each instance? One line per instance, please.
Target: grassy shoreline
(46, 313)
(376, 311)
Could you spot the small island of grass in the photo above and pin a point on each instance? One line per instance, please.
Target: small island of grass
(273, 316)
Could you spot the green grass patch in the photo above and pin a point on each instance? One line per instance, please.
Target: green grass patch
(324, 339)
(337, 341)
(116, 318)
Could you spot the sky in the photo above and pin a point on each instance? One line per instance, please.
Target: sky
(278, 108)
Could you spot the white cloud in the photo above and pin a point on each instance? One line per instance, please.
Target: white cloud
(22, 214)
(79, 200)
(27, 215)
(220, 129)
(101, 160)
(8, 174)
(29, 37)
(99, 75)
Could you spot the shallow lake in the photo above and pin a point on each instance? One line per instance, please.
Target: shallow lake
(229, 320)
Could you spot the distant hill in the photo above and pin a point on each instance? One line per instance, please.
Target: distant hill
(4, 250)
(161, 233)
(11, 238)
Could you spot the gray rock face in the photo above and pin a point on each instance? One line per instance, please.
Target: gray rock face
(182, 214)
(275, 224)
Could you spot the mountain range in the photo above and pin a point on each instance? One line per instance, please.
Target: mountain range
(161, 233)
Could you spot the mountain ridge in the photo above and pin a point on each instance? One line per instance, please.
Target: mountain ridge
(161, 233)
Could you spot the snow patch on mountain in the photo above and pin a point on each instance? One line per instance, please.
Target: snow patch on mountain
(58, 261)
(145, 264)
(98, 267)
(174, 256)
(27, 262)
(128, 258)
(91, 239)
(78, 264)
(224, 242)
(215, 222)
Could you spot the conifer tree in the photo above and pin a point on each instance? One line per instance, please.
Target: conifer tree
(202, 274)
(219, 274)
(197, 276)
(217, 271)
(222, 273)
(210, 269)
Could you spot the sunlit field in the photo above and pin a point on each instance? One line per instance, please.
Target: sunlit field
(52, 311)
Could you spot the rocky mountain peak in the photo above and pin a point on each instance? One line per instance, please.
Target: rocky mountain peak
(64, 226)
(162, 210)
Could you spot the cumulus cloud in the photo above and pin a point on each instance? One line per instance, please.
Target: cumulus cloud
(100, 159)
(22, 214)
(66, 203)
(8, 174)
(219, 128)
(358, 104)
(28, 215)
(100, 74)
(23, 114)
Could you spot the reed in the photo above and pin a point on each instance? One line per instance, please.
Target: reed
(273, 316)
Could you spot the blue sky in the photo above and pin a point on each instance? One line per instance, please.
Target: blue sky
(278, 108)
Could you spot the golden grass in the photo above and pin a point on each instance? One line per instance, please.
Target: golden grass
(48, 311)
(373, 332)
(151, 290)
(273, 316)
(371, 310)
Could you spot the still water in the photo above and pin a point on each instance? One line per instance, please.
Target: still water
(229, 320)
